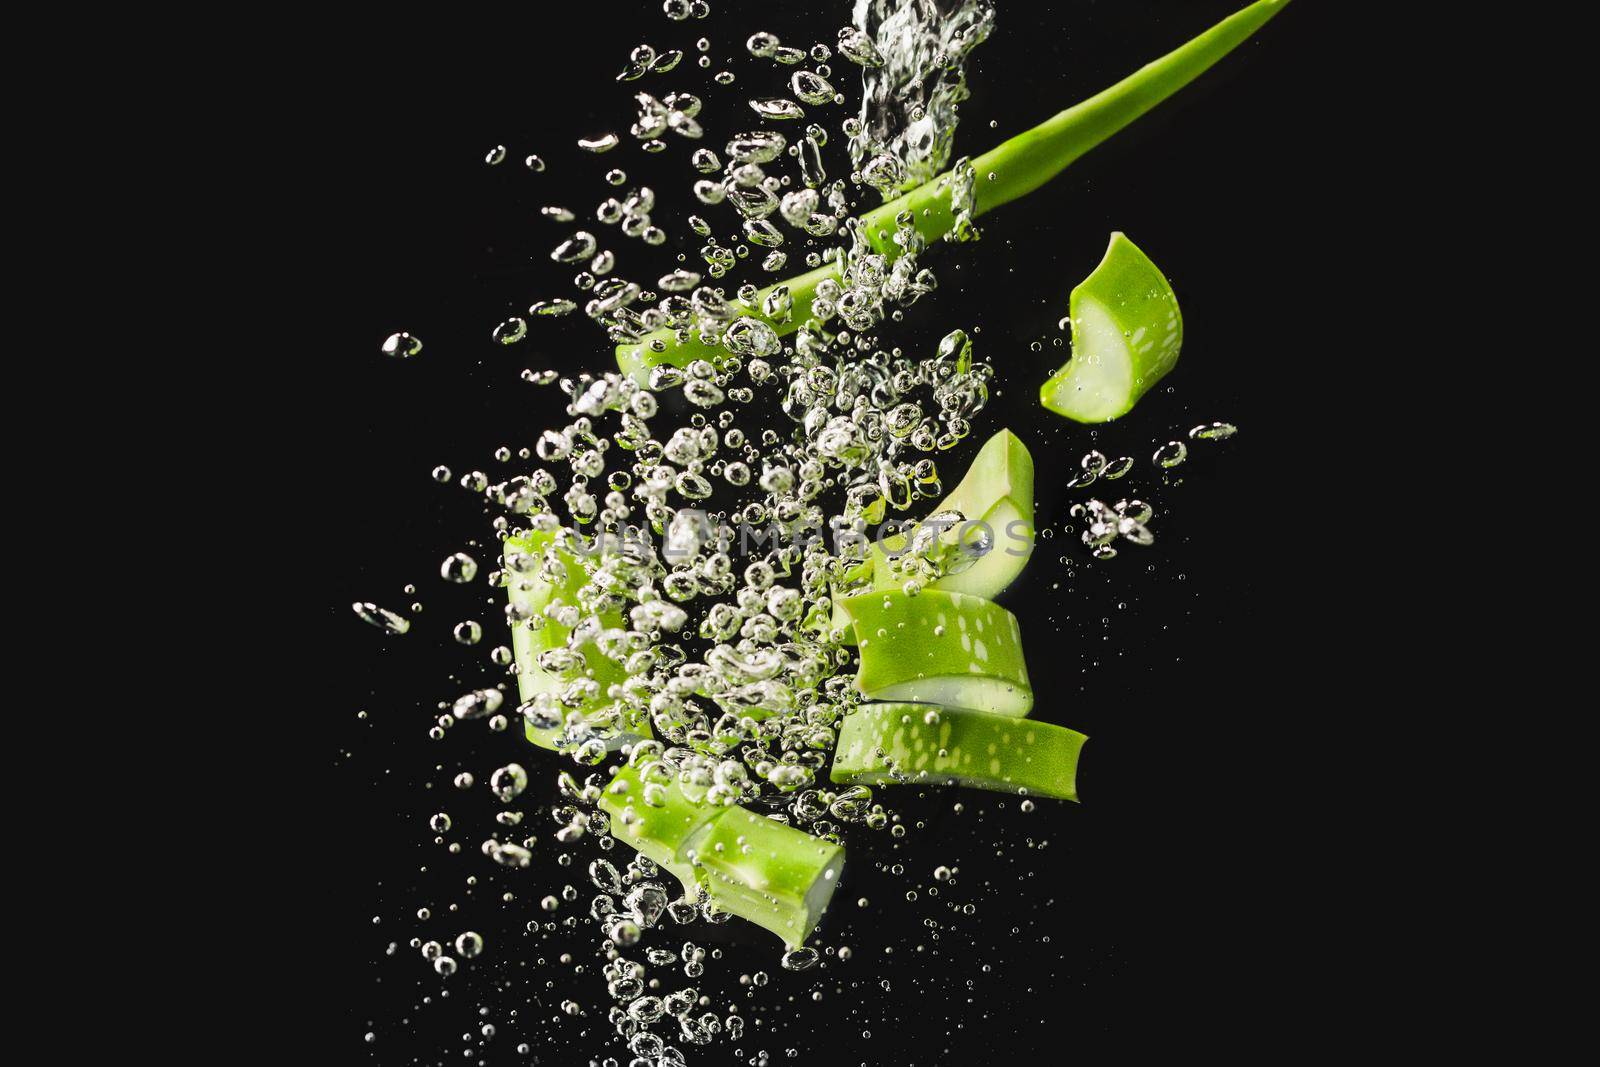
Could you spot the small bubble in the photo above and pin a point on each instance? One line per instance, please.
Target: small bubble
(459, 568)
(1171, 454)
(511, 331)
(1213, 431)
(401, 345)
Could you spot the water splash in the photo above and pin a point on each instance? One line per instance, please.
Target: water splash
(910, 97)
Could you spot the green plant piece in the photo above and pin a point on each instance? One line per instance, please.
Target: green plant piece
(774, 875)
(940, 648)
(1019, 165)
(918, 744)
(771, 874)
(997, 492)
(660, 827)
(1126, 335)
(531, 595)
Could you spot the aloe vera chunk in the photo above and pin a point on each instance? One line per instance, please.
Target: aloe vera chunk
(941, 648)
(995, 498)
(531, 595)
(661, 830)
(1126, 335)
(772, 874)
(915, 744)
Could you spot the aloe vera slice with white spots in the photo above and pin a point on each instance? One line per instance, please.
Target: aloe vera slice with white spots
(941, 648)
(772, 874)
(1126, 335)
(917, 744)
(997, 494)
(531, 595)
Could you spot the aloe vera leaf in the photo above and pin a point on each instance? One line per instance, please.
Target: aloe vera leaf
(1020, 165)
(774, 875)
(997, 491)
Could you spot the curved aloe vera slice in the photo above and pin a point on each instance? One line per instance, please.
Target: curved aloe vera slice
(531, 595)
(996, 491)
(888, 744)
(942, 648)
(1126, 334)
(774, 875)
(1019, 165)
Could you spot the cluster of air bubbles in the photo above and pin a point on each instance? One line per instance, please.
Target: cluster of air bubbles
(679, 10)
(1094, 466)
(668, 569)
(1106, 523)
(914, 79)
(644, 59)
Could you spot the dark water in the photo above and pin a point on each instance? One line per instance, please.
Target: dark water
(1100, 926)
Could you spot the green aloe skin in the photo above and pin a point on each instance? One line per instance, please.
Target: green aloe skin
(769, 873)
(1020, 165)
(915, 744)
(764, 871)
(940, 648)
(1127, 332)
(532, 595)
(661, 832)
(997, 491)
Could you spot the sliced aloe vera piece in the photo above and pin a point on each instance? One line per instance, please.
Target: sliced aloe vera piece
(1126, 334)
(942, 648)
(661, 831)
(913, 744)
(996, 491)
(774, 875)
(531, 595)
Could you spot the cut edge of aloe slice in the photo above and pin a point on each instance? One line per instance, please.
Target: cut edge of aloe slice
(1127, 332)
(896, 744)
(997, 491)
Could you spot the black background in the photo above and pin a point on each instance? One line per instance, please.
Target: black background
(1160, 894)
